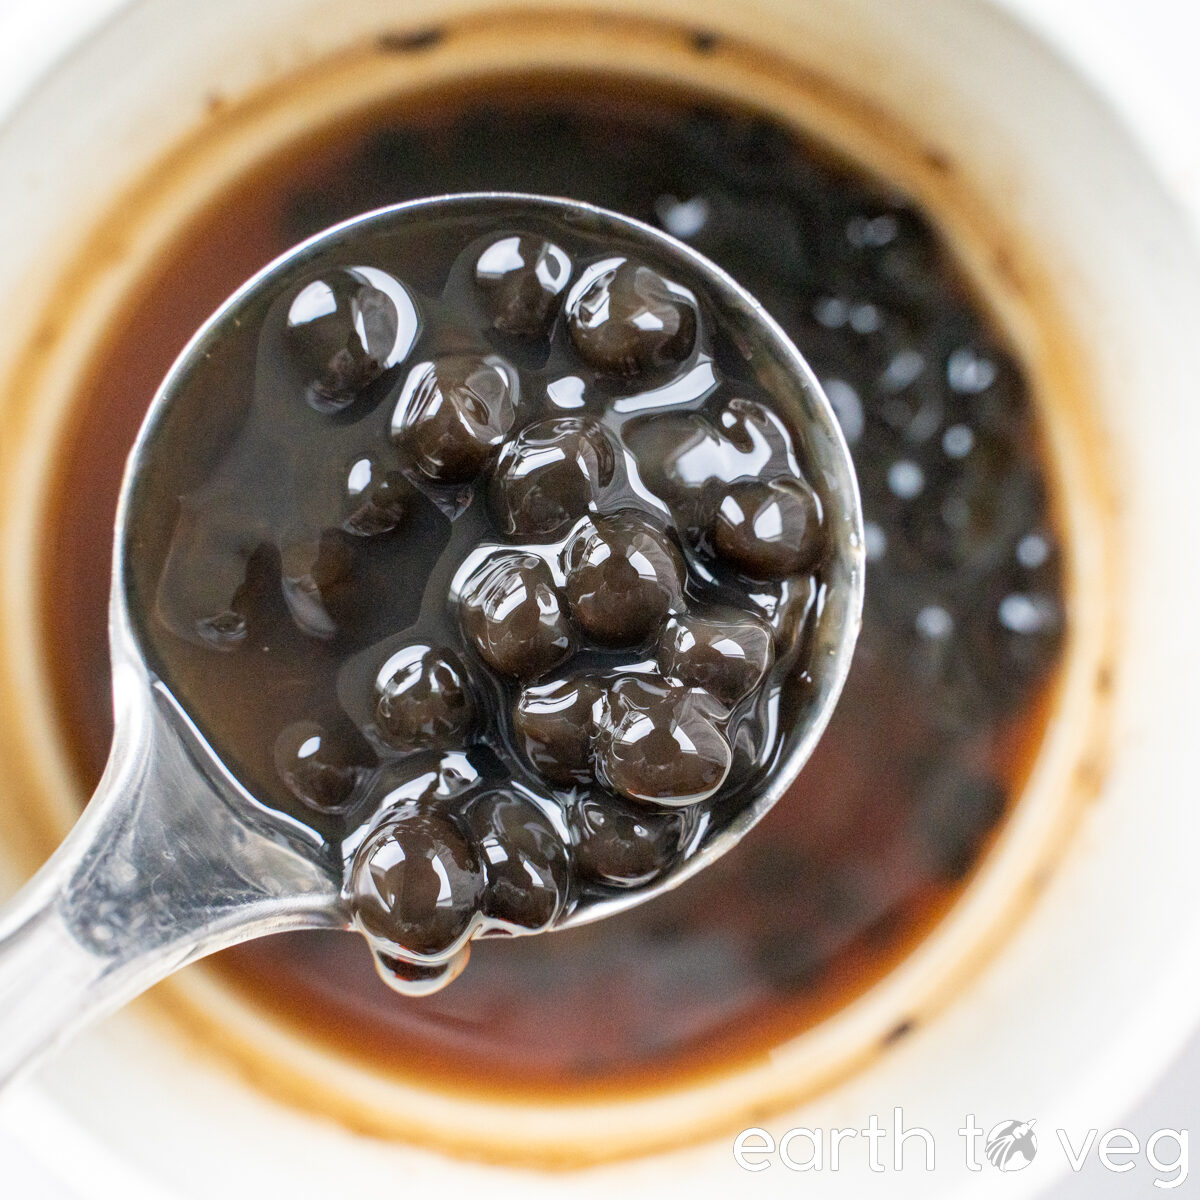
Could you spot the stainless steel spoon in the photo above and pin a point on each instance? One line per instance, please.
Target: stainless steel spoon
(174, 859)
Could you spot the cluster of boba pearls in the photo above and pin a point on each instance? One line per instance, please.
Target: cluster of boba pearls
(632, 555)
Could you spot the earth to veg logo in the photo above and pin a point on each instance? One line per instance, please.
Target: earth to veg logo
(1159, 1158)
(1011, 1145)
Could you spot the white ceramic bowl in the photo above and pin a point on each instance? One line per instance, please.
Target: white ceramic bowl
(1071, 968)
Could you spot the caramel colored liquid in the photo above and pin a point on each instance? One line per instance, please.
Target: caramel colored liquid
(964, 617)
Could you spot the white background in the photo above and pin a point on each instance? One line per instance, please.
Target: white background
(1148, 52)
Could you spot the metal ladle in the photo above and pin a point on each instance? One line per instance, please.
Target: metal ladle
(174, 859)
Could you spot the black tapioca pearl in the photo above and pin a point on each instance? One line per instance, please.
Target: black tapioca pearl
(626, 319)
(768, 529)
(624, 845)
(424, 700)
(523, 278)
(316, 766)
(511, 611)
(416, 883)
(453, 413)
(377, 498)
(623, 576)
(346, 329)
(312, 571)
(524, 857)
(725, 651)
(554, 725)
(660, 743)
(420, 979)
(549, 475)
(756, 435)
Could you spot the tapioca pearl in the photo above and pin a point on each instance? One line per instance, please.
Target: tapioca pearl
(549, 475)
(786, 605)
(906, 479)
(865, 319)
(1021, 613)
(1034, 550)
(624, 575)
(725, 651)
(758, 438)
(768, 529)
(203, 594)
(317, 767)
(416, 884)
(903, 369)
(934, 623)
(347, 328)
(683, 219)
(513, 615)
(555, 724)
(314, 570)
(969, 372)
(624, 845)
(847, 407)
(377, 497)
(876, 541)
(453, 413)
(524, 858)
(957, 441)
(660, 744)
(523, 278)
(420, 979)
(423, 699)
(626, 319)
(871, 233)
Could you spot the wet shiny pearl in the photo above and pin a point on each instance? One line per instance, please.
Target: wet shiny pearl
(377, 498)
(624, 575)
(316, 768)
(768, 529)
(726, 651)
(346, 331)
(416, 883)
(661, 743)
(624, 845)
(423, 699)
(554, 724)
(512, 614)
(452, 413)
(626, 319)
(549, 475)
(313, 571)
(524, 858)
(522, 278)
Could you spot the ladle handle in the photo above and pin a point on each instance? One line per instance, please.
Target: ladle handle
(165, 866)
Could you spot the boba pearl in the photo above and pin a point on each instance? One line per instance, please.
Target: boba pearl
(624, 575)
(624, 845)
(549, 475)
(524, 858)
(377, 497)
(726, 652)
(312, 571)
(626, 319)
(346, 331)
(416, 883)
(768, 529)
(424, 701)
(452, 413)
(554, 725)
(510, 610)
(523, 278)
(660, 743)
(316, 767)
(420, 979)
